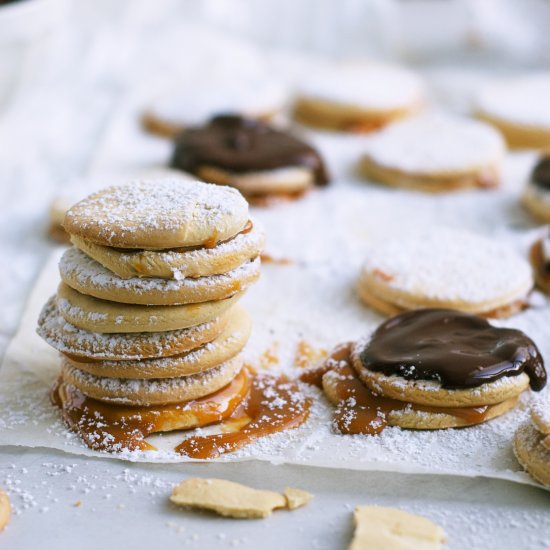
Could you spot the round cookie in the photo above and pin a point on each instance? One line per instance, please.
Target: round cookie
(79, 343)
(5, 510)
(135, 392)
(159, 214)
(178, 263)
(519, 109)
(357, 98)
(444, 268)
(434, 153)
(539, 256)
(540, 413)
(412, 419)
(223, 348)
(95, 315)
(87, 276)
(179, 106)
(531, 454)
(254, 157)
(446, 358)
(536, 197)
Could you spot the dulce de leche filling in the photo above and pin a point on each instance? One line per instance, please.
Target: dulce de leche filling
(249, 407)
(242, 145)
(360, 410)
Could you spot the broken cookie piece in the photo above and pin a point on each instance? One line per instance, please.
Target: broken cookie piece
(296, 498)
(5, 510)
(235, 500)
(379, 528)
(227, 498)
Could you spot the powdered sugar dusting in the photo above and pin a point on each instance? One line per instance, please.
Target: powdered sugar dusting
(436, 143)
(448, 265)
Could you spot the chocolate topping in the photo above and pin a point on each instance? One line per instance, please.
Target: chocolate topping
(541, 173)
(454, 348)
(238, 144)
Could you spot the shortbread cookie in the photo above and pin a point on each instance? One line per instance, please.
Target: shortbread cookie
(379, 528)
(252, 156)
(445, 268)
(358, 98)
(531, 454)
(5, 510)
(412, 416)
(79, 343)
(447, 358)
(536, 196)
(181, 105)
(540, 261)
(159, 391)
(159, 214)
(434, 153)
(519, 109)
(95, 315)
(87, 276)
(226, 346)
(178, 263)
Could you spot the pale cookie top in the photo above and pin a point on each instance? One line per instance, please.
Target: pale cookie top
(193, 103)
(371, 86)
(436, 143)
(449, 265)
(522, 101)
(156, 214)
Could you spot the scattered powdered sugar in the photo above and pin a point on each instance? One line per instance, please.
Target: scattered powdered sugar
(541, 408)
(436, 143)
(447, 264)
(370, 86)
(156, 207)
(53, 328)
(87, 273)
(522, 101)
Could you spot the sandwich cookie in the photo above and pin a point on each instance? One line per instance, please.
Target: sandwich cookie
(357, 98)
(519, 109)
(532, 441)
(158, 391)
(159, 214)
(254, 157)
(87, 276)
(445, 268)
(179, 107)
(84, 344)
(223, 348)
(540, 262)
(435, 153)
(431, 369)
(178, 263)
(103, 316)
(536, 196)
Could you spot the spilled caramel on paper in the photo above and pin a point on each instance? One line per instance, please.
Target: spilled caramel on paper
(361, 411)
(274, 404)
(113, 428)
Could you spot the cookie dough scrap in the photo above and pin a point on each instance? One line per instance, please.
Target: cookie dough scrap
(380, 528)
(233, 499)
(5, 510)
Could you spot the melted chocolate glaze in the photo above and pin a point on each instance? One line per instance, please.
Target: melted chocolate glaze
(541, 173)
(239, 144)
(454, 348)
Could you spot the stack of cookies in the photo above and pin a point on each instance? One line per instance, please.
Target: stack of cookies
(146, 313)
(532, 441)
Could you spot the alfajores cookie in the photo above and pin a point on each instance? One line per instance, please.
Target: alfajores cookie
(357, 98)
(519, 109)
(434, 153)
(256, 158)
(447, 268)
(159, 214)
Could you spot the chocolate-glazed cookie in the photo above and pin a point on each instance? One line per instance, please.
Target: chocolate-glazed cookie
(249, 154)
(541, 173)
(458, 350)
